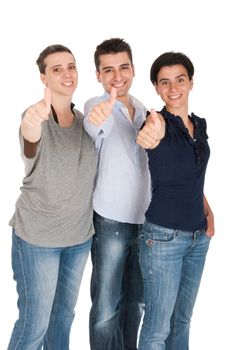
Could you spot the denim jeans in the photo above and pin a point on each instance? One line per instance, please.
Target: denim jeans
(48, 281)
(116, 286)
(172, 263)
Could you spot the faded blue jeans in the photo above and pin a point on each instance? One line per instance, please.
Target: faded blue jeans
(116, 286)
(48, 281)
(172, 263)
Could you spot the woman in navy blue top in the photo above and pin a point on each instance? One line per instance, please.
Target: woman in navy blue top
(179, 222)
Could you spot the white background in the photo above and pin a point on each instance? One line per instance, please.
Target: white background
(202, 30)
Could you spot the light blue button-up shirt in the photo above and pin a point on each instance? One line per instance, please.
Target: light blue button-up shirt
(122, 190)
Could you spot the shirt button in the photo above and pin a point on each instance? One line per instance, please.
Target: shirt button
(194, 140)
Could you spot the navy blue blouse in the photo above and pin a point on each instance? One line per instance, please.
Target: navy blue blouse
(177, 166)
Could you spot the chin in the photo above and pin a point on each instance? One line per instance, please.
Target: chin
(121, 93)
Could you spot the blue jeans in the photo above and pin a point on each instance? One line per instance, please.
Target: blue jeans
(172, 263)
(48, 281)
(116, 286)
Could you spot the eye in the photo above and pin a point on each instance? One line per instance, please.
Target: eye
(164, 83)
(108, 70)
(57, 70)
(73, 67)
(181, 80)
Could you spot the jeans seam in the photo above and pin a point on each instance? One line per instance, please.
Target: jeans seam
(94, 272)
(174, 327)
(25, 292)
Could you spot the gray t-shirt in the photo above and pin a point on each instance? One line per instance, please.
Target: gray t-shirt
(54, 208)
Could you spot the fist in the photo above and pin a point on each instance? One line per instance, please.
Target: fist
(102, 111)
(152, 132)
(39, 112)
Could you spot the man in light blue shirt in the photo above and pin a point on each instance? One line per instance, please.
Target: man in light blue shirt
(120, 199)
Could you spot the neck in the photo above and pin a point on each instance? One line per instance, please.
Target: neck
(62, 109)
(61, 104)
(63, 112)
(181, 112)
(126, 101)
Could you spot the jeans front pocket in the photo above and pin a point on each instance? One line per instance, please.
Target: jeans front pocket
(152, 233)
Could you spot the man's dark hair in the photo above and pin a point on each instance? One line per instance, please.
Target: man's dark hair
(111, 46)
(48, 51)
(169, 59)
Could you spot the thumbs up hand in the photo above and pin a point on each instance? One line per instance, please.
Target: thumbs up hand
(34, 116)
(39, 112)
(152, 132)
(102, 111)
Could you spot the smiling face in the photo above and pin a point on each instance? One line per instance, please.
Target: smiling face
(60, 74)
(116, 70)
(173, 86)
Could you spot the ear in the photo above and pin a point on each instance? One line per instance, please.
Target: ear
(98, 76)
(133, 70)
(191, 82)
(43, 79)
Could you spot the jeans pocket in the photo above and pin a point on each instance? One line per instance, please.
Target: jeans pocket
(157, 234)
(159, 238)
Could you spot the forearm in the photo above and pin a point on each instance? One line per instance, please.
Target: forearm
(207, 209)
(209, 217)
(31, 136)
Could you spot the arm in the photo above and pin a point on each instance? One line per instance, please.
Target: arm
(210, 218)
(31, 128)
(152, 132)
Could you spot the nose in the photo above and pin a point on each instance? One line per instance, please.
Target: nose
(67, 73)
(173, 85)
(117, 75)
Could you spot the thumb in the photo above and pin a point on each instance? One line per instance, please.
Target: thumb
(113, 96)
(154, 114)
(47, 99)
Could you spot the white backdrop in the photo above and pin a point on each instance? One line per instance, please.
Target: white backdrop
(200, 30)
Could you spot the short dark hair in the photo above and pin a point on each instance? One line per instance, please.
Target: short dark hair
(169, 59)
(48, 51)
(113, 45)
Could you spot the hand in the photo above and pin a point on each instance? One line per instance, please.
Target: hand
(39, 112)
(102, 111)
(210, 231)
(152, 132)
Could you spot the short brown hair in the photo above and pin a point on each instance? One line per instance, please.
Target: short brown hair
(48, 51)
(113, 45)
